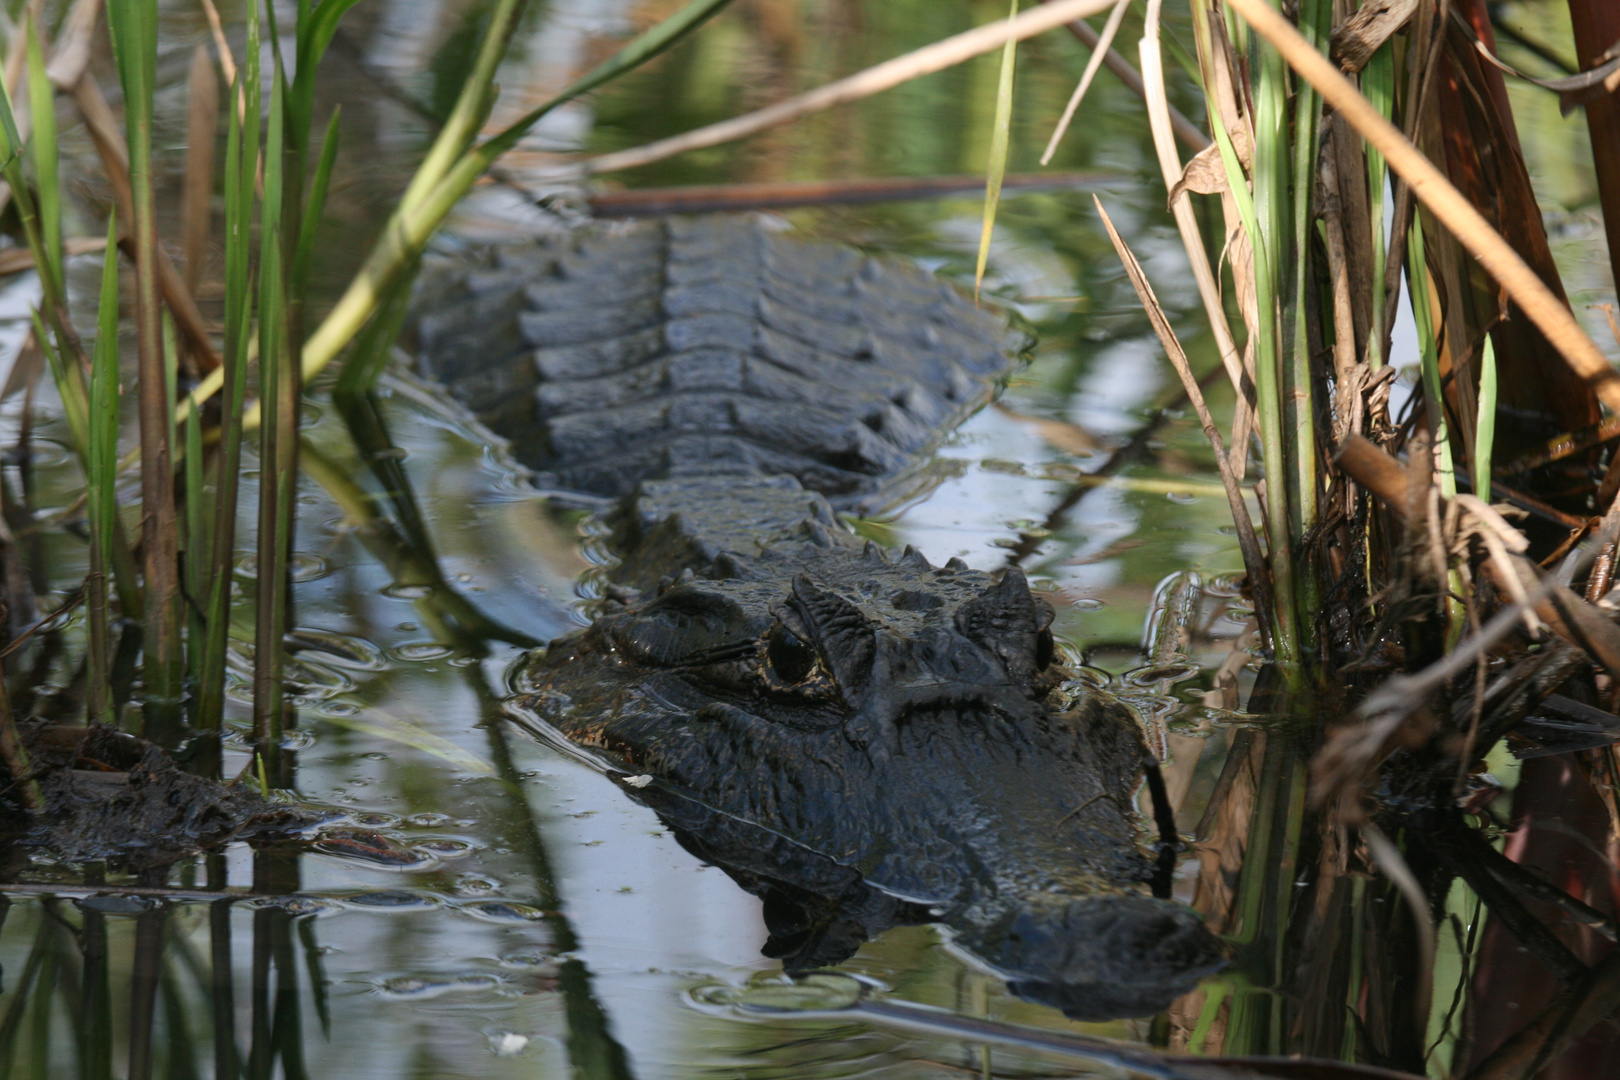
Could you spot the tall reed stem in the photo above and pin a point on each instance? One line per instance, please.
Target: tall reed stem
(101, 478)
(275, 485)
(133, 25)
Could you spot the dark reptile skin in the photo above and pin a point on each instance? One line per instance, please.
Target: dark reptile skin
(619, 354)
(856, 736)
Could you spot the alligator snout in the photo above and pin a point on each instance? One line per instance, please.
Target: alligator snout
(1099, 958)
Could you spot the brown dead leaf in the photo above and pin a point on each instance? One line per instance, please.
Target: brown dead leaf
(1204, 174)
(1468, 131)
(1358, 37)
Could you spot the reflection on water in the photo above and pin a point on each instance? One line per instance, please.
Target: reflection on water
(478, 905)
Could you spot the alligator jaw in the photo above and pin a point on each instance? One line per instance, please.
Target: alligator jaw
(1098, 958)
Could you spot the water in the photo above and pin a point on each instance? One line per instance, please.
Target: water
(480, 905)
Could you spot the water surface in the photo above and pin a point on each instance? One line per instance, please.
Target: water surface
(483, 906)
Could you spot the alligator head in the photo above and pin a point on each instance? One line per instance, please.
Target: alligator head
(865, 740)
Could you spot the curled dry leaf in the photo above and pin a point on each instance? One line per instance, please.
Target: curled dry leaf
(1204, 174)
(1358, 37)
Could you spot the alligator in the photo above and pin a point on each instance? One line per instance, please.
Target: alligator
(858, 737)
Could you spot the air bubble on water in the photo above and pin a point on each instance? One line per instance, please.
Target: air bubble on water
(508, 1043)
(407, 592)
(391, 900)
(427, 821)
(376, 820)
(1151, 676)
(500, 911)
(297, 905)
(304, 566)
(528, 961)
(420, 987)
(1062, 470)
(476, 885)
(240, 738)
(338, 650)
(421, 650)
(777, 993)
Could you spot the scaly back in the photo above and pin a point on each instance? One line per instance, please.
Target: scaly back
(709, 346)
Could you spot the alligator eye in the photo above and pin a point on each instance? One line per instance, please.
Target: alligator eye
(1045, 649)
(791, 660)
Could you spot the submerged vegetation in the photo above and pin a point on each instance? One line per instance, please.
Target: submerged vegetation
(1428, 569)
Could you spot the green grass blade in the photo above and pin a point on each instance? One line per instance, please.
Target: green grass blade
(1485, 425)
(274, 527)
(196, 541)
(241, 166)
(471, 108)
(1268, 398)
(997, 168)
(317, 29)
(1378, 84)
(1299, 390)
(101, 474)
(1434, 401)
(42, 103)
(132, 26)
(271, 556)
(69, 384)
(1273, 243)
(11, 168)
(309, 223)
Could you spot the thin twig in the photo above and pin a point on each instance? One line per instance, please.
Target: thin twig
(1103, 47)
(776, 194)
(43, 624)
(874, 80)
(1159, 120)
(1187, 131)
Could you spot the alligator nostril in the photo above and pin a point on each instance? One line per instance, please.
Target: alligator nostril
(1045, 650)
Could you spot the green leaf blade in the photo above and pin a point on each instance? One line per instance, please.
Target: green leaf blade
(996, 170)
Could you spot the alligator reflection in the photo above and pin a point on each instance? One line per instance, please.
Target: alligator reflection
(224, 978)
(216, 965)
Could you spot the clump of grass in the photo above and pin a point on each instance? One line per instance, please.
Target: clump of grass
(1414, 564)
(275, 180)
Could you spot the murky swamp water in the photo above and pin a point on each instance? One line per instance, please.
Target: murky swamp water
(488, 907)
